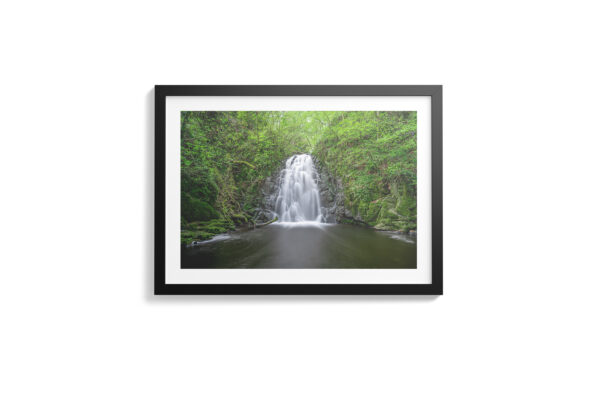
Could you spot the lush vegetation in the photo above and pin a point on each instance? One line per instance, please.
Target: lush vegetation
(226, 157)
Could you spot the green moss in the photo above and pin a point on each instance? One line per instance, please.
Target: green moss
(363, 208)
(372, 212)
(204, 230)
(213, 226)
(239, 218)
(193, 209)
(187, 237)
(353, 206)
(390, 217)
(396, 224)
(407, 206)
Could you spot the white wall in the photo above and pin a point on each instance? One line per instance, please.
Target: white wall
(520, 315)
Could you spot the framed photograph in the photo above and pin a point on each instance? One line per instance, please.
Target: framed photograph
(312, 190)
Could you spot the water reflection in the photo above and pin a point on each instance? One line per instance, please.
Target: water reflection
(304, 245)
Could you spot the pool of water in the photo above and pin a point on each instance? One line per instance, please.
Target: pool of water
(308, 245)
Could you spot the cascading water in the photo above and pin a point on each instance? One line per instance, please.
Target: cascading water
(298, 196)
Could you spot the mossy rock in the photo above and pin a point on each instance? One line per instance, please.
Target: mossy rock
(239, 218)
(389, 219)
(410, 226)
(385, 224)
(187, 237)
(187, 234)
(213, 226)
(388, 209)
(214, 229)
(194, 209)
(352, 206)
(372, 212)
(407, 206)
(363, 209)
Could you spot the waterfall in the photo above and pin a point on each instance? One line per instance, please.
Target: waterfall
(298, 195)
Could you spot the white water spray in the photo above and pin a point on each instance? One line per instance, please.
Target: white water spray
(298, 197)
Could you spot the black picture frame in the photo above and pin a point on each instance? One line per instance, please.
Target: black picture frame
(433, 288)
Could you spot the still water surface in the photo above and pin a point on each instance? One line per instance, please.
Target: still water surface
(309, 245)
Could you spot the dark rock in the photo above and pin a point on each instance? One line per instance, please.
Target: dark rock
(332, 195)
(266, 210)
(330, 189)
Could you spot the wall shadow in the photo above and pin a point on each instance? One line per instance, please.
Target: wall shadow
(148, 252)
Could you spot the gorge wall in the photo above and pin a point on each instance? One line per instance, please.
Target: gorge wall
(383, 213)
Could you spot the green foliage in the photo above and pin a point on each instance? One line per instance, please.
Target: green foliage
(226, 157)
(375, 154)
(203, 230)
(194, 209)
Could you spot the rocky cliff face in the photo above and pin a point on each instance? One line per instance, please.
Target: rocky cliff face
(330, 190)
(335, 208)
(332, 195)
(266, 211)
(380, 214)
